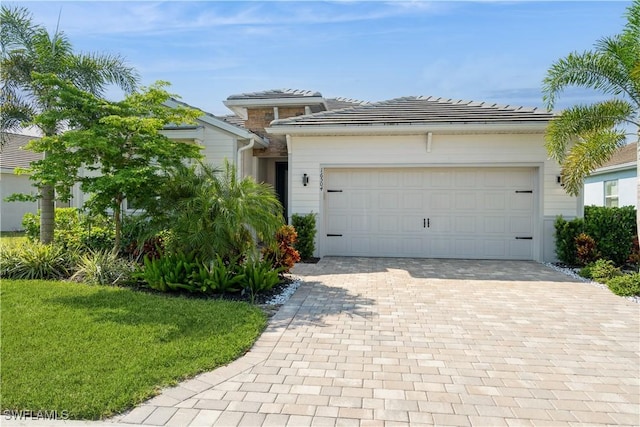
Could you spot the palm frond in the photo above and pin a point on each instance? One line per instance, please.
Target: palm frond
(581, 121)
(587, 154)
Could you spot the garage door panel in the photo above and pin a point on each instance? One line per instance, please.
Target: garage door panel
(471, 212)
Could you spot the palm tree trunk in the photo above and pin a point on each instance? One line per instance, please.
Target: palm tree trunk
(47, 214)
(638, 184)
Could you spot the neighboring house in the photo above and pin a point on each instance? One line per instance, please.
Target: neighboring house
(616, 182)
(14, 156)
(410, 177)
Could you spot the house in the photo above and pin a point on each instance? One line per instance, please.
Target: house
(409, 177)
(14, 156)
(616, 182)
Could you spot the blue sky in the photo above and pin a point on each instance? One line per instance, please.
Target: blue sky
(370, 50)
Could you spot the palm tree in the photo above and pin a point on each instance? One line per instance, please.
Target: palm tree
(584, 137)
(212, 212)
(27, 48)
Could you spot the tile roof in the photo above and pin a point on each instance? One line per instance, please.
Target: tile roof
(233, 120)
(13, 155)
(415, 110)
(338, 103)
(276, 93)
(626, 154)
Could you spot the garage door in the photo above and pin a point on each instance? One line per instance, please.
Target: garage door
(481, 213)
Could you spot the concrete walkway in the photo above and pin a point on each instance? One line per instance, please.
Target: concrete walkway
(385, 342)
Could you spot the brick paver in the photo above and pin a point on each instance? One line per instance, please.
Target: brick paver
(381, 342)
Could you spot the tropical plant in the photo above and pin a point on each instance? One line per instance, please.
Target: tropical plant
(34, 260)
(601, 271)
(170, 272)
(281, 254)
(259, 276)
(586, 251)
(103, 268)
(216, 213)
(218, 276)
(27, 49)
(584, 137)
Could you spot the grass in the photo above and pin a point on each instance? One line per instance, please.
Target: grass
(97, 351)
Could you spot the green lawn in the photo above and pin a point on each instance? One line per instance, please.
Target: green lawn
(96, 351)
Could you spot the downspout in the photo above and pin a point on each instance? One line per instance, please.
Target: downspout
(239, 163)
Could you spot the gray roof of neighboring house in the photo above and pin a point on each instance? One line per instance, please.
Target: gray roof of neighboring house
(626, 154)
(276, 93)
(13, 155)
(416, 110)
(234, 120)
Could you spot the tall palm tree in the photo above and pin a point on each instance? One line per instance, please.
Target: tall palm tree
(27, 48)
(583, 137)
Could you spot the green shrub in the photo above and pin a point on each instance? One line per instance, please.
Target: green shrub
(103, 268)
(217, 276)
(613, 230)
(170, 272)
(625, 285)
(601, 271)
(73, 229)
(566, 233)
(259, 276)
(33, 260)
(305, 226)
(282, 254)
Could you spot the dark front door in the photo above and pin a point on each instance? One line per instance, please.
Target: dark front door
(282, 177)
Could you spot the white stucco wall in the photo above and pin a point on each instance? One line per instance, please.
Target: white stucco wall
(309, 154)
(12, 212)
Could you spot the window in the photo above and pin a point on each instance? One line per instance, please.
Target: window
(611, 193)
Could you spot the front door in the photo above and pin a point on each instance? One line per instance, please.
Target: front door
(282, 177)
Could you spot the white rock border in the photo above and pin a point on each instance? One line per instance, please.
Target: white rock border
(284, 296)
(572, 272)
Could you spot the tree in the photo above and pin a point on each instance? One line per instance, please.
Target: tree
(27, 48)
(214, 213)
(584, 137)
(113, 149)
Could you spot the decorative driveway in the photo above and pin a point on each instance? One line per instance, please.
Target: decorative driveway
(373, 342)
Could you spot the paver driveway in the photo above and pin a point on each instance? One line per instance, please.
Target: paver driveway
(404, 341)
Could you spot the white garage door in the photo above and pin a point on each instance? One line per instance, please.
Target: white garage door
(481, 213)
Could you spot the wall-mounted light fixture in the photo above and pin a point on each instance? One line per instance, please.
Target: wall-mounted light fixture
(559, 180)
(305, 179)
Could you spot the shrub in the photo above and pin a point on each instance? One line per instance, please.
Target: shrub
(170, 272)
(601, 271)
(34, 260)
(259, 276)
(566, 233)
(585, 249)
(73, 229)
(282, 255)
(634, 257)
(305, 226)
(217, 276)
(626, 285)
(103, 268)
(613, 229)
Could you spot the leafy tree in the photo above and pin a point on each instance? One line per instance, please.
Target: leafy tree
(113, 149)
(215, 213)
(584, 137)
(27, 48)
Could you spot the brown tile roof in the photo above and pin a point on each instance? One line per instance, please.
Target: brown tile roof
(420, 110)
(626, 154)
(13, 155)
(276, 93)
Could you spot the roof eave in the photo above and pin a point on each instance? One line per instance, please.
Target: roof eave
(404, 129)
(615, 168)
